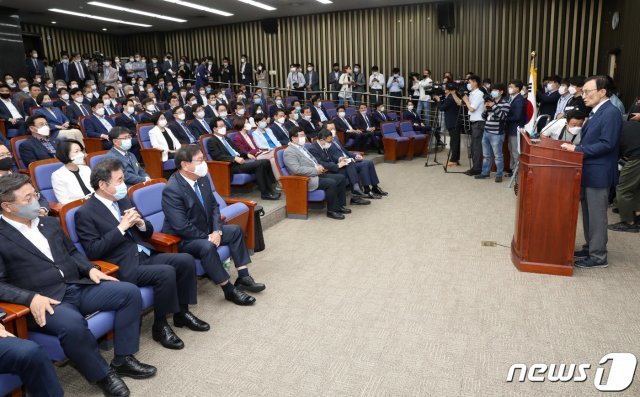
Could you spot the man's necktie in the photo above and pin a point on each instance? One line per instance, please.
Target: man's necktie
(83, 110)
(198, 194)
(141, 248)
(66, 72)
(229, 148)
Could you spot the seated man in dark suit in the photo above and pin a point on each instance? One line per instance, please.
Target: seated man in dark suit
(29, 361)
(344, 125)
(11, 112)
(99, 125)
(279, 128)
(222, 114)
(122, 140)
(150, 109)
(40, 146)
(417, 123)
(319, 114)
(8, 167)
(173, 103)
(366, 124)
(182, 132)
(293, 118)
(221, 148)
(199, 126)
(320, 151)
(380, 116)
(211, 107)
(31, 100)
(42, 269)
(366, 169)
(307, 124)
(277, 106)
(299, 161)
(77, 109)
(110, 229)
(128, 118)
(192, 213)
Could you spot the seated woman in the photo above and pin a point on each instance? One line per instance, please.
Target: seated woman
(58, 122)
(411, 115)
(244, 141)
(72, 181)
(162, 138)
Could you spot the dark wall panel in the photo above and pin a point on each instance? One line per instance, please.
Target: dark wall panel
(55, 40)
(11, 46)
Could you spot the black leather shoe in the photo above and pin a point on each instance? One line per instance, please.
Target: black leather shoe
(472, 172)
(134, 368)
(374, 196)
(167, 338)
(112, 385)
(334, 215)
(187, 319)
(357, 193)
(379, 191)
(359, 201)
(248, 284)
(270, 196)
(240, 298)
(344, 210)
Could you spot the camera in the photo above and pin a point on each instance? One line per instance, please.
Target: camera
(99, 57)
(461, 89)
(436, 89)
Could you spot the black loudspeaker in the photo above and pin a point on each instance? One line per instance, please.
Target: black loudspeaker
(446, 17)
(270, 26)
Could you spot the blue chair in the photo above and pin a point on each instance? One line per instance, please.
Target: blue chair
(147, 197)
(332, 112)
(8, 133)
(350, 111)
(296, 189)
(328, 105)
(395, 146)
(10, 384)
(15, 145)
(15, 323)
(220, 172)
(90, 144)
(420, 141)
(40, 172)
(152, 158)
(94, 158)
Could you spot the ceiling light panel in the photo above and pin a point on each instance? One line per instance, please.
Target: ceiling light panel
(79, 14)
(199, 7)
(258, 4)
(133, 11)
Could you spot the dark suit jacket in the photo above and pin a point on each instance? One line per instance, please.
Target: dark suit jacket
(282, 133)
(218, 151)
(184, 216)
(337, 150)
(25, 271)
(59, 74)
(341, 125)
(74, 112)
(273, 109)
(315, 114)
(128, 122)
(202, 76)
(94, 128)
(197, 129)
(517, 116)
(411, 116)
(599, 142)
(32, 150)
(323, 157)
(6, 114)
(101, 239)
(133, 171)
(228, 74)
(451, 109)
(312, 79)
(32, 70)
(379, 118)
(548, 103)
(360, 124)
(310, 130)
(73, 73)
(248, 74)
(182, 135)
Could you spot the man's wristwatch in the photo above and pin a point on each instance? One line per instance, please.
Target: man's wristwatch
(219, 232)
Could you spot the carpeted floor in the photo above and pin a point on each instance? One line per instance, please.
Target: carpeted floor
(400, 300)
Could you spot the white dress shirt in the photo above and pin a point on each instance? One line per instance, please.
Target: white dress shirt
(34, 235)
(14, 112)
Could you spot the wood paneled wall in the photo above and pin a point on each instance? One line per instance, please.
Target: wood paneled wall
(55, 40)
(492, 38)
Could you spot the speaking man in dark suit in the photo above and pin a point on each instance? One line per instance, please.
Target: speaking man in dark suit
(192, 213)
(42, 269)
(599, 143)
(111, 229)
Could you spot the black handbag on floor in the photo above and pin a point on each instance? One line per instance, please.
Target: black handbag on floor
(258, 236)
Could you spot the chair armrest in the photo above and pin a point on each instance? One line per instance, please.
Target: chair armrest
(106, 267)
(54, 209)
(220, 172)
(152, 162)
(13, 311)
(249, 225)
(93, 144)
(223, 218)
(162, 242)
(296, 191)
(3, 127)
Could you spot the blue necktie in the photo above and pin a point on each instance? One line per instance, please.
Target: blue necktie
(66, 72)
(206, 126)
(229, 148)
(198, 194)
(186, 130)
(270, 142)
(141, 248)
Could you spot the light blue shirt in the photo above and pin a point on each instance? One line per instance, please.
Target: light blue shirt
(397, 86)
(261, 141)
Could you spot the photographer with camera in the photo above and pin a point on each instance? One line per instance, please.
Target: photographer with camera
(496, 112)
(296, 81)
(450, 107)
(474, 101)
(395, 85)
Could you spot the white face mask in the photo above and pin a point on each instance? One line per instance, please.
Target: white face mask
(240, 111)
(194, 101)
(333, 132)
(180, 116)
(381, 109)
(200, 114)
(78, 159)
(549, 86)
(306, 117)
(65, 97)
(262, 124)
(201, 169)
(409, 108)
(574, 130)
(9, 81)
(222, 131)
(79, 99)
(162, 123)
(247, 127)
(130, 109)
(44, 130)
(572, 90)
(151, 108)
(310, 69)
(74, 86)
(106, 102)
(100, 112)
(278, 101)
(301, 141)
(280, 120)
(223, 114)
(562, 90)
(341, 114)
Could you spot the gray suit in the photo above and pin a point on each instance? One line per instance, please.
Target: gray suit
(359, 79)
(133, 172)
(334, 185)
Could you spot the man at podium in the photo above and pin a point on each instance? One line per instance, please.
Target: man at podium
(599, 142)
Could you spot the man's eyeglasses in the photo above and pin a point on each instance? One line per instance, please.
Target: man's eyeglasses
(586, 92)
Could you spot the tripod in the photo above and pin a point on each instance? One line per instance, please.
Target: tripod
(465, 124)
(435, 126)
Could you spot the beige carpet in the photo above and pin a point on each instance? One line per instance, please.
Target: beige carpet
(400, 300)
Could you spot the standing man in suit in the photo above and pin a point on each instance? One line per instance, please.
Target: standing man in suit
(34, 65)
(299, 161)
(169, 67)
(192, 213)
(11, 112)
(245, 72)
(202, 74)
(62, 69)
(112, 230)
(333, 80)
(221, 148)
(359, 83)
(549, 98)
(517, 117)
(312, 80)
(122, 150)
(450, 107)
(78, 70)
(42, 269)
(227, 72)
(599, 143)
(40, 146)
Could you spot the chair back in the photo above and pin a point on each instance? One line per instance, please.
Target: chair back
(289, 100)
(68, 222)
(40, 172)
(15, 144)
(389, 130)
(350, 111)
(406, 126)
(328, 105)
(94, 158)
(143, 134)
(280, 161)
(203, 145)
(147, 198)
(332, 112)
(219, 199)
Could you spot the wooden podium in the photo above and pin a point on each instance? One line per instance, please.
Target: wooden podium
(547, 210)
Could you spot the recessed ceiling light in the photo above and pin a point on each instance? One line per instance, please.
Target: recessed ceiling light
(199, 7)
(131, 10)
(53, 22)
(258, 4)
(325, 1)
(79, 14)
(104, 29)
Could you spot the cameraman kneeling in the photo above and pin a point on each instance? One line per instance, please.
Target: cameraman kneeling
(495, 116)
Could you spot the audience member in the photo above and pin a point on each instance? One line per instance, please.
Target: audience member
(71, 181)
